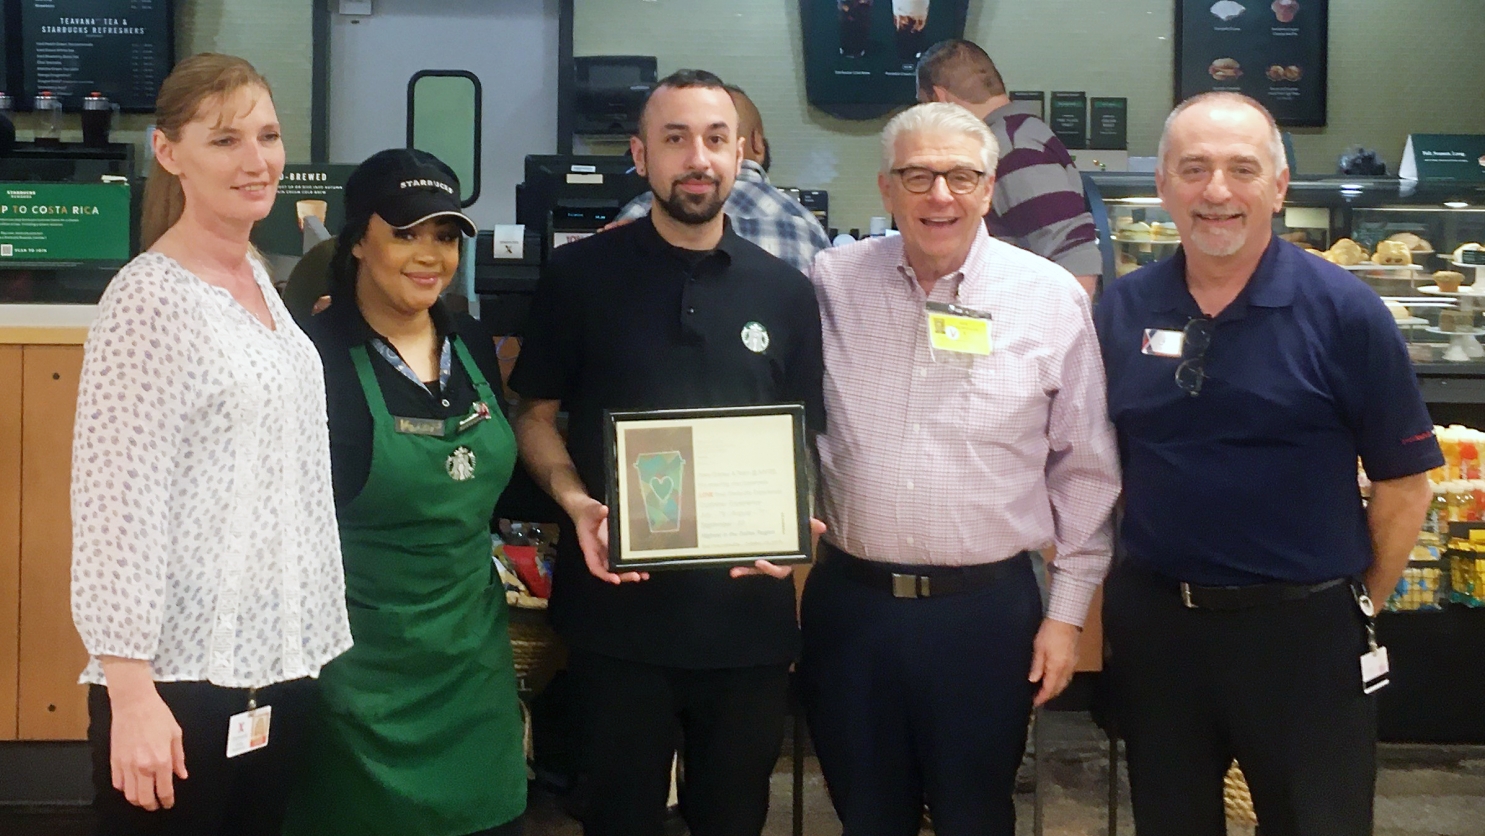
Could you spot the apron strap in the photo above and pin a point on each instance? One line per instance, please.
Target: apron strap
(476, 376)
(375, 401)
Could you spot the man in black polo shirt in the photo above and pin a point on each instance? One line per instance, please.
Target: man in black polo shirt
(652, 315)
(1245, 380)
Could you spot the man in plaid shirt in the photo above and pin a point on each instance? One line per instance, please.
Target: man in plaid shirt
(759, 212)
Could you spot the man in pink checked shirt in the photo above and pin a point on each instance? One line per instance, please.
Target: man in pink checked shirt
(968, 426)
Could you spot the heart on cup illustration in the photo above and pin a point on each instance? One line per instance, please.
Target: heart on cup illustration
(662, 486)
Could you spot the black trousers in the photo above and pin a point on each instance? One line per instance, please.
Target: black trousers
(919, 699)
(727, 724)
(244, 796)
(1278, 688)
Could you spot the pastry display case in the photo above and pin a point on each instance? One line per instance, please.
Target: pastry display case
(1420, 246)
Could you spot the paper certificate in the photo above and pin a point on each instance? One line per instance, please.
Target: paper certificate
(707, 487)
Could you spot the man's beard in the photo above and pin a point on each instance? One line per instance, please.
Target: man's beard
(691, 209)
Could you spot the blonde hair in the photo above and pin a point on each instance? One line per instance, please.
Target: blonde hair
(939, 117)
(206, 77)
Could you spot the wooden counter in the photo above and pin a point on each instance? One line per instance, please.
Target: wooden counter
(45, 324)
(40, 653)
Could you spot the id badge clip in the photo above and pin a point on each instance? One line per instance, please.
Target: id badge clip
(248, 731)
(1374, 666)
(957, 334)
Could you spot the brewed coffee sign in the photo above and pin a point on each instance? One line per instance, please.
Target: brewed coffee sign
(861, 56)
(1272, 50)
(120, 48)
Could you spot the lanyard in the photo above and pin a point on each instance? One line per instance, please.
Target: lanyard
(445, 363)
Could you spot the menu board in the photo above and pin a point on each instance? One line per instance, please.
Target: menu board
(120, 48)
(861, 56)
(1273, 51)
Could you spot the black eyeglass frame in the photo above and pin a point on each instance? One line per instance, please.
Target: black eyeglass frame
(901, 177)
(1195, 340)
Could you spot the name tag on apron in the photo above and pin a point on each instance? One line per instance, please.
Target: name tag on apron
(418, 426)
(248, 731)
(1161, 342)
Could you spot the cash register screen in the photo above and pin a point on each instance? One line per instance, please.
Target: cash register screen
(614, 75)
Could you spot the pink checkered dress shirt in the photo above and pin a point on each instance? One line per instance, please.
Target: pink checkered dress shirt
(943, 464)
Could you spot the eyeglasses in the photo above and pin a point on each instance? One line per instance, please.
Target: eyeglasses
(1192, 372)
(920, 180)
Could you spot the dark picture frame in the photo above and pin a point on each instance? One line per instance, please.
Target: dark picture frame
(649, 531)
(1276, 51)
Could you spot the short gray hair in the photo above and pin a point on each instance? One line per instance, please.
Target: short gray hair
(938, 117)
(1275, 139)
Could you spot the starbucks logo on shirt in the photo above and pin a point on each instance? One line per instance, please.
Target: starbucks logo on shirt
(461, 464)
(755, 337)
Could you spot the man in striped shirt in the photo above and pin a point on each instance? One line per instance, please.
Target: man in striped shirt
(759, 212)
(1038, 203)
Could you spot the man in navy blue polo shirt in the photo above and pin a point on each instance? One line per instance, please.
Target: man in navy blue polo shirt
(1245, 379)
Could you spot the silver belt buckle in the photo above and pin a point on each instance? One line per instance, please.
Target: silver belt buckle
(906, 586)
(1186, 595)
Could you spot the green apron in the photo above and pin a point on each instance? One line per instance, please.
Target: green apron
(420, 730)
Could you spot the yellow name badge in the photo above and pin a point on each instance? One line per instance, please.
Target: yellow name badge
(960, 330)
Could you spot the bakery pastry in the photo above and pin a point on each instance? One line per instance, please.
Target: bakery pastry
(1448, 280)
(1225, 69)
(1460, 250)
(1293, 73)
(1416, 243)
(1134, 231)
(1164, 232)
(1285, 10)
(1275, 73)
(1398, 311)
(1347, 252)
(1226, 10)
(1392, 253)
(1298, 237)
(1456, 321)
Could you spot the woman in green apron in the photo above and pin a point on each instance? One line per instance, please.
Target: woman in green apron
(419, 730)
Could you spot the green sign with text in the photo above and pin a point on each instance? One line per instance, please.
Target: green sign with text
(57, 224)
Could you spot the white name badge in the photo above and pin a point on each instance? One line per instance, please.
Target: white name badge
(248, 731)
(1160, 342)
(1374, 670)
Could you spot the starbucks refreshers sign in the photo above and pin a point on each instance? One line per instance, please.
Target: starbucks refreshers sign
(59, 224)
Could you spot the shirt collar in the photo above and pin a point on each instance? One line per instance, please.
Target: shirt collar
(751, 172)
(967, 277)
(355, 330)
(651, 242)
(1270, 286)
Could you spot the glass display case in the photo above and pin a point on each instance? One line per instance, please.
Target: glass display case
(1420, 246)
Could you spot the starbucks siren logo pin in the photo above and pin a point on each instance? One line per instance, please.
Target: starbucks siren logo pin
(755, 337)
(461, 464)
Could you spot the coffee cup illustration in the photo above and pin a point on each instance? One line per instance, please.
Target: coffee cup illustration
(310, 207)
(661, 482)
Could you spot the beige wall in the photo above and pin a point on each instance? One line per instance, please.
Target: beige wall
(1395, 67)
(275, 35)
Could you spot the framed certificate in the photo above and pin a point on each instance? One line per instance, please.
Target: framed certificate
(690, 488)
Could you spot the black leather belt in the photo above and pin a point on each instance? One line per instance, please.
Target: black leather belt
(910, 581)
(1232, 598)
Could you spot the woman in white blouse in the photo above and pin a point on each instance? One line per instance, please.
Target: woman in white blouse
(206, 575)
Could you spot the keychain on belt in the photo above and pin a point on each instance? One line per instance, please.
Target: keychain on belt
(1374, 665)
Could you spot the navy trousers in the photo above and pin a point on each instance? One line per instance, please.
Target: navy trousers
(914, 700)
